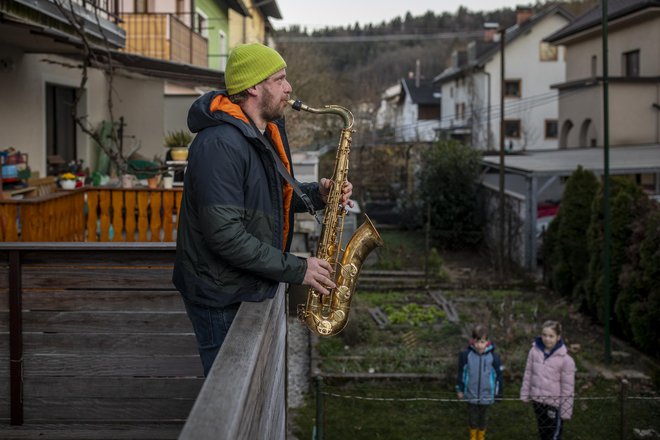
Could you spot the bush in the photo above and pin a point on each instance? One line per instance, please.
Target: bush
(638, 306)
(449, 182)
(565, 248)
(627, 203)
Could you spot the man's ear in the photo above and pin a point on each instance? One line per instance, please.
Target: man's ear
(252, 90)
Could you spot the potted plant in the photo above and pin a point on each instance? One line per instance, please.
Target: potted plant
(68, 181)
(178, 142)
(168, 180)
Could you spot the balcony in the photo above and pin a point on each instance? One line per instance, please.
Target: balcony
(92, 215)
(166, 37)
(97, 18)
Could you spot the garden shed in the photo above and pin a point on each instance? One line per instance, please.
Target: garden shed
(538, 177)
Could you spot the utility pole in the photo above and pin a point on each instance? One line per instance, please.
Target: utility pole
(606, 188)
(500, 249)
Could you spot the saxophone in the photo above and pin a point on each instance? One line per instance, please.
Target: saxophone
(327, 315)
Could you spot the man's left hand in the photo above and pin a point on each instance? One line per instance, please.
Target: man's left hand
(347, 191)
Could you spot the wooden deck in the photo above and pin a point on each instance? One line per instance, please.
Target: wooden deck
(94, 342)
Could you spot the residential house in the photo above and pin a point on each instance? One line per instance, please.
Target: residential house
(40, 78)
(256, 26)
(472, 85)
(634, 76)
(409, 111)
(197, 32)
(536, 179)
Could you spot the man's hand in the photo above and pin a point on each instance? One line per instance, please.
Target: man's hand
(318, 275)
(347, 191)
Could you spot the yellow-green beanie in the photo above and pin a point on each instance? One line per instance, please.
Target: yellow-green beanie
(249, 64)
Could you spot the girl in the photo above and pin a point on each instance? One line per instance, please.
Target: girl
(549, 381)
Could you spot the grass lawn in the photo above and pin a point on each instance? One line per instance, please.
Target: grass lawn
(420, 339)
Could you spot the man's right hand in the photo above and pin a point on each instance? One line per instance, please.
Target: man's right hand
(318, 275)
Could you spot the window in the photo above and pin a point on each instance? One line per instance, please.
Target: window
(140, 7)
(60, 124)
(551, 128)
(631, 63)
(202, 24)
(594, 66)
(512, 128)
(222, 49)
(547, 52)
(512, 88)
(428, 112)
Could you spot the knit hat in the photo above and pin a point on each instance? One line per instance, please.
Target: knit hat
(249, 64)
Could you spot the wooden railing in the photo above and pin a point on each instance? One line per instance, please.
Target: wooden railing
(94, 333)
(166, 37)
(93, 336)
(93, 214)
(243, 396)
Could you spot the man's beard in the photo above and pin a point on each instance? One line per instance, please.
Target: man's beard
(272, 108)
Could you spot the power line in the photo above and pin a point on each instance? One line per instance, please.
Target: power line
(378, 38)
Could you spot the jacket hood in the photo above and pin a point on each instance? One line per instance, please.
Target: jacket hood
(559, 348)
(215, 108)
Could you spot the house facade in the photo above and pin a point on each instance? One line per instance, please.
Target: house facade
(634, 76)
(472, 86)
(254, 27)
(41, 77)
(409, 111)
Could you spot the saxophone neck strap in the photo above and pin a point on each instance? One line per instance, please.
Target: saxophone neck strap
(281, 169)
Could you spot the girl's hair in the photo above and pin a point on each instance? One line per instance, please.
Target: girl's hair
(480, 332)
(554, 325)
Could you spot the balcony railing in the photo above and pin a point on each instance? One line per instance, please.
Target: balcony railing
(166, 37)
(107, 9)
(93, 215)
(95, 343)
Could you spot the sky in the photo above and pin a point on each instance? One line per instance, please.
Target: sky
(321, 13)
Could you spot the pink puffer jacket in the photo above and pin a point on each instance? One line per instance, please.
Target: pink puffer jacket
(550, 380)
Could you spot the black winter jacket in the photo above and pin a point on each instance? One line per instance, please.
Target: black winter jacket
(230, 235)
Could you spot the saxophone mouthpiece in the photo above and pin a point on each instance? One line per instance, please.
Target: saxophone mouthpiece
(296, 104)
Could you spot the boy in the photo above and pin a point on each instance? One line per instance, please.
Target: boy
(479, 380)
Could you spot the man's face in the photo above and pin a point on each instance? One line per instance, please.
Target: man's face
(275, 91)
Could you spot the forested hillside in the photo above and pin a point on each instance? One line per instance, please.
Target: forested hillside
(354, 65)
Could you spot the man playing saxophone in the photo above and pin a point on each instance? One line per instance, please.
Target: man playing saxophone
(236, 217)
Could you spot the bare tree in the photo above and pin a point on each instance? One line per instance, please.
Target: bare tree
(98, 57)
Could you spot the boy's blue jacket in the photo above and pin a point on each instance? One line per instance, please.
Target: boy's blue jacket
(479, 375)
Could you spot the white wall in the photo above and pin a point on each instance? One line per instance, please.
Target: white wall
(141, 103)
(23, 104)
(538, 101)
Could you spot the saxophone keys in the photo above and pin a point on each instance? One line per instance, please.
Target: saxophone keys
(324, 327)
(339, 315)
(343, 293)
(349, 271)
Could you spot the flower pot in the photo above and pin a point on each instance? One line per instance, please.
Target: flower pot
(179, 154)
(168, 182)
(68, 184)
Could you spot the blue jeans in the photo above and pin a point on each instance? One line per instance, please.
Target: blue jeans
(211, 325)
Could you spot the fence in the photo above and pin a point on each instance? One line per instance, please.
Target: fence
(244, 395)
(370, 410)
(165, 36)
(92, 214)
(94, 333)
(95, 343)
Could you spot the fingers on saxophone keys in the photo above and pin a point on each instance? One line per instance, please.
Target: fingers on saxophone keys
(324, 284)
